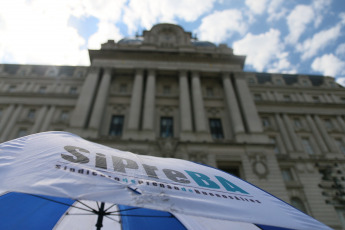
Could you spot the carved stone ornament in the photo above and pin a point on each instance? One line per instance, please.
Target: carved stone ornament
(166, 110)
(167, 147)
(259, 165)
(119, 109)
(200, 157)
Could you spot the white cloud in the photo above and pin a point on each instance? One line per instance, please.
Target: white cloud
(341, 81)
(146, 13)
(36, 32)
(311, 46)
(264, 51)
(297, 22)
(275, 10)
(104, 10)
(106, 31)
(320, 6)
(257, 6)
(329, 65)
(340, 49)
(220, 25)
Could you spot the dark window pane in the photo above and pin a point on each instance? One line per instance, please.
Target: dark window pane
(116, 125)
(216, 129)
(167, 127)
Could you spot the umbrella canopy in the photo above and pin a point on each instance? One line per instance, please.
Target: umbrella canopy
(61, 170)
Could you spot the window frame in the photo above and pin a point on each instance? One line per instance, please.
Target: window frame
(116, 129)
(216, 128)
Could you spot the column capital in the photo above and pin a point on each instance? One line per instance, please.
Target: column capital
(183, 72)
(94, 69)
(239, 75)
(107, 70)
(225, 74)
(139, 71)
(151, 72)
(195, 73)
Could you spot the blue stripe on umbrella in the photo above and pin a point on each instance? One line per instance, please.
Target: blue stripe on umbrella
(142, 218)
(24, 211)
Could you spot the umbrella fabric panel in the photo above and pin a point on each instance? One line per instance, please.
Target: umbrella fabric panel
(24, 211)
(265, 227)
(79, 219)
(142, 218)
(204, 223)
(65, 165)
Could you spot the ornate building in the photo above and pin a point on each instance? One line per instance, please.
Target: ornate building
(167, 94)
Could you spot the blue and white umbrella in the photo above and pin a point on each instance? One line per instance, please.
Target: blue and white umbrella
(59, 180)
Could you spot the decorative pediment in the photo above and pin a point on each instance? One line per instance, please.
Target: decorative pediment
(167, 35)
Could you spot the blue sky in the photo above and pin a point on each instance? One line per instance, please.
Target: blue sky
(295, 36)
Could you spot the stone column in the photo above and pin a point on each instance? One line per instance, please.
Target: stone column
(6, 116)
(249, 109)
(84, 103)
(198, 104)
(48, 119)
(329, 142)
(341, 122)
(11, 122)
(317, 135)
(185, 107)
(149, 106)
(284, 134)
(39, 119)
(136, 101)
(101, 100)
(295, 140)
(232, 104)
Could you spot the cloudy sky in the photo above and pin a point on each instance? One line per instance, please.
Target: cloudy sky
(295, 36)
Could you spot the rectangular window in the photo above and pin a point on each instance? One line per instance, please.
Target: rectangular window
(166, 89)
(251, 81)
(266, 122)
(328, 124)
(43, 89)
(216, 128)
(73, 90)
(167, 127)
(12, 88)
(123, 88)
(273, 141)
(31, 114)
(22, 132)
(257, 97)
(279, 82)
(340, 145)
(316, 99)
(64, 116)
(116, 125)
(307, 146)
(229, 167)
(287, 175)
(209, 92)
(287, 97)
(305, 83)
(297, 123)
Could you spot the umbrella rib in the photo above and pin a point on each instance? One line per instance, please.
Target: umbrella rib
(60, 202)
(171, 216)
(77, 214)
(123, 210)
(87, 205)
(110, 207)
(112, 219)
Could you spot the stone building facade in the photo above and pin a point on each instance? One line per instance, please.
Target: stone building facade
(167, 94)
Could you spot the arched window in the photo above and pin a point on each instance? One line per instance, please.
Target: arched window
(297, 203)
